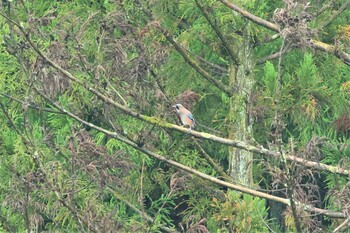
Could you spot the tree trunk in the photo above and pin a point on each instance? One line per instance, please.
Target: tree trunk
(240, 127)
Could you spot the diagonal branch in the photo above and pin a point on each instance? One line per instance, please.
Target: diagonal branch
(156, 121)
(345, 57)
(27, 104)
(250, 16)
(194, 63)
(204, 176)
(272, 56)
(335, 14)
(225, 43)
(216, 167)
(134, 208)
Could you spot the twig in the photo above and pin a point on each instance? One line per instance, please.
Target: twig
(335, 15)
(192, 62)
(216, 167)
(30, 105)
(233, 55)
(147, 217)
(343, 56)
(343, 226)
(271, 57)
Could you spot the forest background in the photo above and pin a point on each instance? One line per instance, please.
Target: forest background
(90, 142)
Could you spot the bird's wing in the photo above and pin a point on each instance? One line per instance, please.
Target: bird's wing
(191, 117)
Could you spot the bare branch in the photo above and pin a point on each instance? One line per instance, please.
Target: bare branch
(342, 227)
(250, 16)
(225, 43)
(156, 121)
(314, 43)
(271, 57)
(193, 171)
(24, 104)
(194, 63)
(335, 14)
(216, 167)
(134, 208)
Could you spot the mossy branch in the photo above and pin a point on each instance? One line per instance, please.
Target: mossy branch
(195, 172)
(164, 124)
(345, 57)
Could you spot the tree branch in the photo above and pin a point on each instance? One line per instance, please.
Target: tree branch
(227, 46)
(191, 170)
(216, 167)
(271, 57)
(343, 226)
(156, 121)
(194, 63)
(134, 208)
(314, 43)
(250, 16)
(29, 105)
(335, 14)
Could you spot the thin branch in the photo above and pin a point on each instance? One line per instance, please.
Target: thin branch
(343, 226)
(334, 15)
(134, 208)
(30, 105)
(213, 65)
(216, 167)
(314, 43)
(233, 55)
(271, 57)
(192, 62)
(204, 176)
(156, 121)
(325, 7)
(250, 16)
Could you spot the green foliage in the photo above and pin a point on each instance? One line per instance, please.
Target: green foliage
(270, 79)
(60, 175)
(239, 214)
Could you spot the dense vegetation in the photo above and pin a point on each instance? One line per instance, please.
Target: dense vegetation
(89, 141)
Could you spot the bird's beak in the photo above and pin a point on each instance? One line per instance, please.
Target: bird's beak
(174, 106)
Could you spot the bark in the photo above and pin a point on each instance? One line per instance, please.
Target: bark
(240, 127)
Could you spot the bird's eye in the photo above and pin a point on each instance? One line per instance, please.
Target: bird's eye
(177, 107)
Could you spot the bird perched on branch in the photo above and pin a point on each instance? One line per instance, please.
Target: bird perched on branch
(185, 116)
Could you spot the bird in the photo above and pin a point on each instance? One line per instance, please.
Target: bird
(185, 116)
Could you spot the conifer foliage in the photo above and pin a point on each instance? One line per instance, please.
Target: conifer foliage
(90, 142)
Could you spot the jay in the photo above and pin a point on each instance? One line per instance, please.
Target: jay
(185, 116)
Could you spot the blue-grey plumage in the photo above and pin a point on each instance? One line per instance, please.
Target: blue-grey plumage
(185, 116)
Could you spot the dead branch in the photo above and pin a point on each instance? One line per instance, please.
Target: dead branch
(343, 56)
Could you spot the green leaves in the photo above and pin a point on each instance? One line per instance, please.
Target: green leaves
(270, 79)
